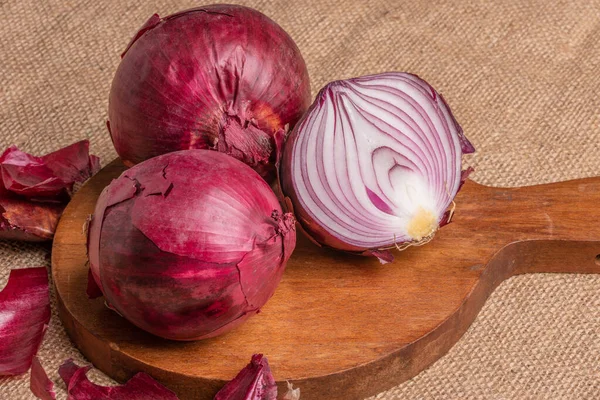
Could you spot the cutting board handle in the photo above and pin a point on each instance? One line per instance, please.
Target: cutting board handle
(543, 228)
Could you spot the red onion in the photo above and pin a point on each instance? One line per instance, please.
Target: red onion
(375, 163)
(221, 77)
(140, 387)
(189, 244)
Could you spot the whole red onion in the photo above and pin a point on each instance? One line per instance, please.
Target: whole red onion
(189, 244)
(220, 77)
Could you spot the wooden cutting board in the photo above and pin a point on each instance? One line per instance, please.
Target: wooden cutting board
(341, 326)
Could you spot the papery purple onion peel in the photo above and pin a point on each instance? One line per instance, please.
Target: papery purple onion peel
(31, 221)
(189, 244)
(220, 77)
(253, 382)
(24, 317)
(50, 177)
(35, 190)
(39, 383)
(140, 387)
(374, 164)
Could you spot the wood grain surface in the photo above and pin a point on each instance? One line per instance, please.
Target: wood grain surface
(341, 326)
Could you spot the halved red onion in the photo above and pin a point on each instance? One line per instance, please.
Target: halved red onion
(220, 77)
(374, 163)
(141, 387)
(189, 244)
(254, 382)
(50, 177)
(39, 383)
(24, 316)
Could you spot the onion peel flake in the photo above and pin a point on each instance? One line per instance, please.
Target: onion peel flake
(140, 387)
(254, 382)
(41, 386)
(24, 317)
(25, 220)
(50, 177)
(34, 190)
(292, 394)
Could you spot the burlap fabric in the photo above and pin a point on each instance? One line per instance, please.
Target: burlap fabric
(521, 76)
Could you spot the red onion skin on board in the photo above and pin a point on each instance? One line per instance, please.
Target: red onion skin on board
(253, 382)
(220, 77)
(189, 244)
(140, 387)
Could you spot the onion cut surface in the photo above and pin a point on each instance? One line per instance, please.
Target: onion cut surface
(375, 163)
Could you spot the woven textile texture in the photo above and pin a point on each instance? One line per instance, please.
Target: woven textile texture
(522, 78)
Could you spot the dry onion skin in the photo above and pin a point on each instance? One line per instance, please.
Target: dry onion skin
(35, 190)
(253, 382)
(24, 317)
(292, 393)
(140, 387)
(374, 164)
(39, 383)
(29, 221)
(50, 177)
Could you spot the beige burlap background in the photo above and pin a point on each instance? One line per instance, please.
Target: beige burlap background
(521, 76)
